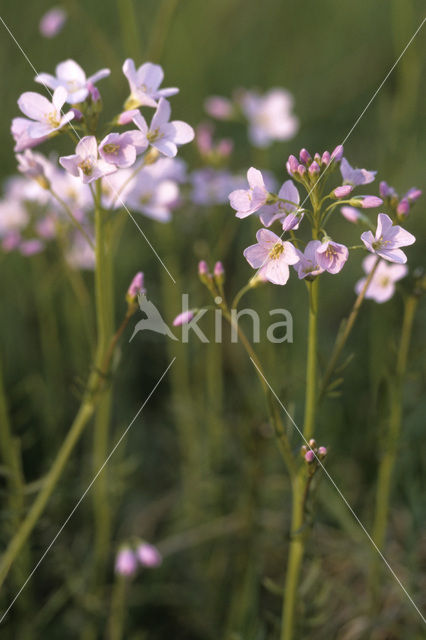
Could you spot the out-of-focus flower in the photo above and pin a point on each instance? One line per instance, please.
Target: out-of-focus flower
(212, 186)
(148, 555)
(184, 317)
(33, 165)
(71, 77)
(382, 285)
(248, 201)
(45, 117)
(285, 209)
(219, 107)
(153, 197)
(145, 84)
(270, 116)
(162, 134)
(272, 256)
(31, 247)
(23, 140)
(213, 152)
(13, 216)
(388, 239)
(401, 205)
(52, 22)
(343, 191)
(355, 177)
(80, 255)
(126, 562)
(85, 163)
(332, 256)
(351, 214)
(308, 265)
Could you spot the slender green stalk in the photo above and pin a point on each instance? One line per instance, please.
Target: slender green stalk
(105, 322)
(343, 335)
(297, 535)
(161, 29)
(129, 29)
(391, 440)
(118, 609)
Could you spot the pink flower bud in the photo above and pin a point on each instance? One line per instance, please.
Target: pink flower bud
(292, 164)
(136, 286)
(93, 92)
(301, 170)
(312, 443)
(309, 456)
(225, 147)
(183, 318)
(370, 202)
(126, 562)
(78, 116)
(322, 452)
(325, 158)
(342, 191)
(314, 169)
(403, 207)
(203, 269)
(337, 154)
(148, 555)
(52, 22)
(304, 156)
(218, 271)
(127, 116)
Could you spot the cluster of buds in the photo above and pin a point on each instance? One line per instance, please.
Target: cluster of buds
(212, 152)
(307, 169)
(213, 281)
(131, 557)
(400, 206)
(311, 453)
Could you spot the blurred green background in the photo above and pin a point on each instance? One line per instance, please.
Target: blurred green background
(202, 451)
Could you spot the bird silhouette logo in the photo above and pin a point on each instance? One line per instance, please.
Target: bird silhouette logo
(153, 321)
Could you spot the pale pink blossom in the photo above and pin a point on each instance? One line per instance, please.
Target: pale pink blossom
(270, 116)
(382, 285)
(332, 256)
(23, 140)
(285, 209)
(272, 256)
(148, 555)
(248, 201)
(121, 149)
(162, 134)
(85, 163)
(388, 239)
(46, 116)
(355, 177)
(72, 78)
(308, 265)
(145, 84)
(126, 562)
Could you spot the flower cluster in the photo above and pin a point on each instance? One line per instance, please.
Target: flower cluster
(311, 453)
(137, 164)
(273, 254)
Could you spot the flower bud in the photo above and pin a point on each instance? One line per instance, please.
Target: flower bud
(304, 156)
(337, 154)
(148, 555)
(219, 108)
(127, 116)
(292, 164)
(370, 202)
(219, 273)
(184, 317)
(309, 456)
(314, 169)
(322, 452)
(126, 562)
(403, 207)
(135, 288)
(301, 170)
(312, 443)
(325, 158)
(342, 191)
(317, 158)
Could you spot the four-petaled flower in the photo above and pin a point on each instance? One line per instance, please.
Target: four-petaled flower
(121, 149)
(47, 116)
(388, 239)
(248, 201)
(382, 285)
(332, 256)
(145, 84)
(85, 163)
(72, 78)
(355, 177)
(285, 209)
(308, 265)
(272, 256)
(270, 116)
(162, 134)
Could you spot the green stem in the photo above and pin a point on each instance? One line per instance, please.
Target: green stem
(118, 609)
(343, 335)
(105, 322)
(298, 536)
(391, 441)
(129, 29)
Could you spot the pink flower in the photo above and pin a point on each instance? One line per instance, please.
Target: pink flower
(145, 84)
(119, 149)
(355, 177)
(152, 196)
(31, 247)
(272, 256)
(126, 562)
(162, 134)
(332, 256)
(382, 285)
(248, 201)
(71, 77)
(370, 202)
(308, 265)
(32, 165)
(47, 116)
(52, 22)
(342, 191)
(388, 239)
(270, 116)
(85, 163)
(219, 107)
(148, 555)
(285, 209)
